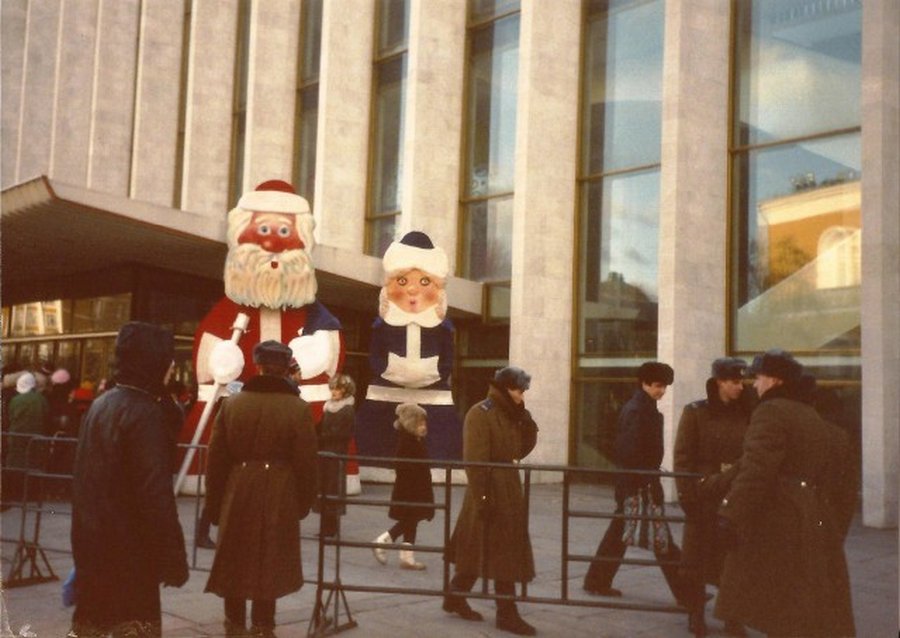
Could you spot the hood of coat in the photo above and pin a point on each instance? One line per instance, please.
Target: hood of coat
(501, 398)
(144, 353)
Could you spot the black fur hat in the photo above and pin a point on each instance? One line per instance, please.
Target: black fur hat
(656, 372)
(777, 363)
(727, 368)
(512, 378)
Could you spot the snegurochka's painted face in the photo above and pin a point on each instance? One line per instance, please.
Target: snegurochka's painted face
(413, 291)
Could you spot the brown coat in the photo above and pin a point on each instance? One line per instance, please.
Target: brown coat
(791, 504)
(261, 480)
(499, 431)
(710, 437)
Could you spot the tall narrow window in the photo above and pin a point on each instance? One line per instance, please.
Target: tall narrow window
(386, 161)
(182, 103)
(239, 113)
(307, 116)
(796, 176)
(487, 204)
(618, 213)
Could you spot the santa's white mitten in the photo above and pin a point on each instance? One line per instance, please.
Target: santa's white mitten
(226, 362)
(312, 352)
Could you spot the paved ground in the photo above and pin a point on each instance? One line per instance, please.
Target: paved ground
(188, 612)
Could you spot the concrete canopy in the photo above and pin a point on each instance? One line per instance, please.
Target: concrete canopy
(51, 230)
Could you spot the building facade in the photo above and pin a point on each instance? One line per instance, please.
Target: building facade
(614, 180)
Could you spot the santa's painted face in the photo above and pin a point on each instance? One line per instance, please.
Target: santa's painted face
(275, 232)
(413, 291)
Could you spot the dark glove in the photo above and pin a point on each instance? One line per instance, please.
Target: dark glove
(177, 577)
(726, 535)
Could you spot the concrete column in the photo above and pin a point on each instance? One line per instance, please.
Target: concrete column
(345, 91)
(13, 15)
(37, 92)
(693, 200)
(112, 116)
(544, 215)
(880, 260)
(210, 102)
(272, 93)
(437, 51)
(158, 102)
(74, 91)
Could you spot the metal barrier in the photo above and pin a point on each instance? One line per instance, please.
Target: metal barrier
(331, 594)
(31, 566)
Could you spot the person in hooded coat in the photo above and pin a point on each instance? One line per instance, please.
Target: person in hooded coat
(787, 513)
(491, 538)
(126, 538)
(260, 481)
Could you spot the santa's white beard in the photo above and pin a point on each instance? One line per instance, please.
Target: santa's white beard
(251, 280)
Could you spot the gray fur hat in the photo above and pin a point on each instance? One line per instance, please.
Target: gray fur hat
(512, 378)
(408, 416)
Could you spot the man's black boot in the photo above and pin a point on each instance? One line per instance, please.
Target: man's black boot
(508, 619)
(459, 605)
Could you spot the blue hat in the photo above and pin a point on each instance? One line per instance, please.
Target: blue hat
(726, 368)
(272, 353)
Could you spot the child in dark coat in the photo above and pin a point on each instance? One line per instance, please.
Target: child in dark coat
(335, 432)
(412, 485)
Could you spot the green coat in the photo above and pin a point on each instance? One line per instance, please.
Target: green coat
(29, 413)
(260, 481)
(496, 430)
(791, 504)
(710, 437)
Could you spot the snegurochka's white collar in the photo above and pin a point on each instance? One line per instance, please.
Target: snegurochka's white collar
(397, 316)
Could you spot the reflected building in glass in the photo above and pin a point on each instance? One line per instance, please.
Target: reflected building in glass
(613, 180)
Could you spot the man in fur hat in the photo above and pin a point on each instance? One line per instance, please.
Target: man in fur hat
(411, 352)
(787, 513)
(639, 446)
(709, 440)
(269, 276)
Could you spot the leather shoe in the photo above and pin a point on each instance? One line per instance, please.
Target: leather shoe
(512, 622)
(603, 591)
(460, 606)
(204, 542)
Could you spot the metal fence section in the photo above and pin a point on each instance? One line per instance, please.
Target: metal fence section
(48, 471)
(332, 614)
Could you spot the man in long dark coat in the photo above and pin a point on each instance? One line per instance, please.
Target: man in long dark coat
(639, 446)
(491, 539)
(261, 480)
(126, 538)
(709, 442)
(787, 514)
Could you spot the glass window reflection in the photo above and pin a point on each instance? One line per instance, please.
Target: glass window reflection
(388, 160)
(493, 79)
(798, 68)
(623, 85)
(489, 250)
(619, 249)
(798, 253)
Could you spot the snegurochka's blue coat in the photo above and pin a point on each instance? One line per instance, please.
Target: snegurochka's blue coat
(375, 434)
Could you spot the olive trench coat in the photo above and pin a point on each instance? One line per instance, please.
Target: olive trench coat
(709, 442)
(260, 481)
(790, 504)
(491, 539)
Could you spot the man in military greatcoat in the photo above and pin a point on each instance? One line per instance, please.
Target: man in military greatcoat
(709, 440)
(787, 514)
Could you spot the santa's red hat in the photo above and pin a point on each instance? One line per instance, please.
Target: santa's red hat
(274, 196)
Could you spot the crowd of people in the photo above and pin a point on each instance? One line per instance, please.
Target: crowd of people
(768, 488)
